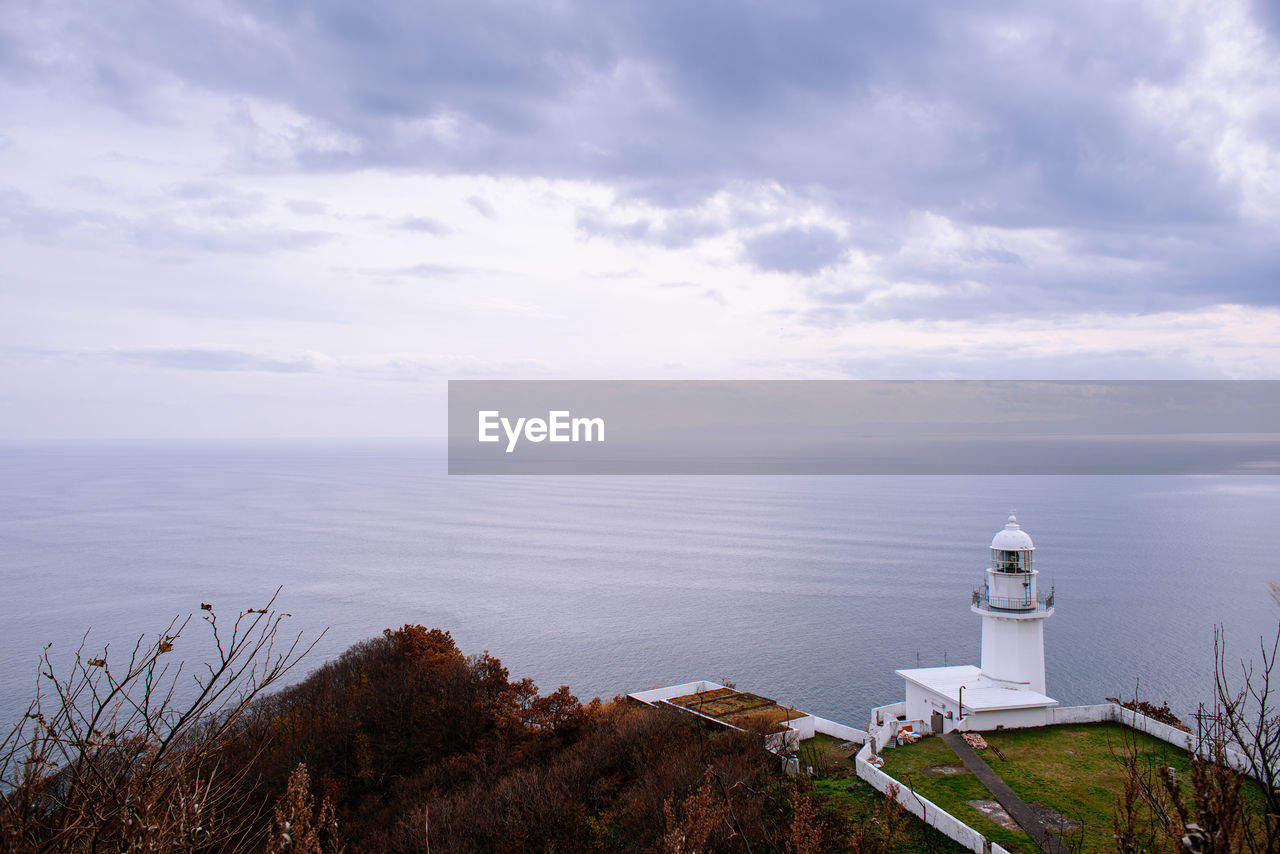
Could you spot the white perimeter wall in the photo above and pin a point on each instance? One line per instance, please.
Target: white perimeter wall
(885, 724)
(925, 809)
(788, 741)
(1142, 723)
(657, 695)
(810, 725)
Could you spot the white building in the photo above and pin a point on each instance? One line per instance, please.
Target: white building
(1008, 689)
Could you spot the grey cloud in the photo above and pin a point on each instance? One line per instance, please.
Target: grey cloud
(993, 361)
(153, 233)
(219, 201)
(201, 359)
(197, 190)
(991, 254)
(1267, 14)
(802, 250)
(20, 214)
(824, 316)
(306, 207)
(1013, 115)
(596, 225)
(424, 224)
(1100, 269)
(482, 207)
(843, 296)
(676, 230)
(160, 235)
(429, 271)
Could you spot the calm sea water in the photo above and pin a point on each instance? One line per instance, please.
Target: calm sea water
(807, 589)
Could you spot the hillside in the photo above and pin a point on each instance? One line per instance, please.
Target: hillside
(402, 744)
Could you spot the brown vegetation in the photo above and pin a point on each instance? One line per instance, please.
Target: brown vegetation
(402, 744)
(120, 755)
(1161, 713)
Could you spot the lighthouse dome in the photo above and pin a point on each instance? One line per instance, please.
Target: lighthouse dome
(1012, 538)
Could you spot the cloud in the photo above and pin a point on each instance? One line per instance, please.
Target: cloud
(482, 207)
(424, 224)
(804, 250)
(428, 270)
(218, 201)
(1083, 119)
(673, 230)
(212, 359)
(305, 207)
(1267, 14)
(161, 232)
(966, 162)
(158, 234)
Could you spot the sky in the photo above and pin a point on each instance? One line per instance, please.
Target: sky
(278, 219)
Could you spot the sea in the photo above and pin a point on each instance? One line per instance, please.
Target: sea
(807, 589)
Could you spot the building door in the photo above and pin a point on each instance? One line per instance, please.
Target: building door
(935, 723)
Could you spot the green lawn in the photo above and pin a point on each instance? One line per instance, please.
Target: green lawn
(1072, 768)
(1076, 770)
(859, 801)
(823, 753)
(951, 791)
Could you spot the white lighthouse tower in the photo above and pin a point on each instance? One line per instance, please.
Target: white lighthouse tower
(1008, 689)
(1013, 611)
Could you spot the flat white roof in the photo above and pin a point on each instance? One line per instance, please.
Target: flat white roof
(981, 692)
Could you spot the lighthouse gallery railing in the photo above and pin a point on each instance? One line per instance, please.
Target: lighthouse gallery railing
(1042, 601)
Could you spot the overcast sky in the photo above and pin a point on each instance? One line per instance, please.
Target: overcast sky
(300, 218)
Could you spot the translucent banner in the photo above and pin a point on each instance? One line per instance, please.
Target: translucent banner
(864, 427)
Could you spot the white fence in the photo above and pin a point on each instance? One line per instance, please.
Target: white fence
(1234, 758)
(885, 724)
(655, 695)
(1082, 714)
(925, 809)
(811, 725)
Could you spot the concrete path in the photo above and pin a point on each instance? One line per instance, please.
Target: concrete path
(1013, 805)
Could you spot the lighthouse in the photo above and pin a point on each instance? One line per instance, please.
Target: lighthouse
(1008, 689)
(1013, 611)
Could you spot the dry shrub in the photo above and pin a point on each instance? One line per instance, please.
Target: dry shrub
(804, 832)
(634, 777)
(114, 755)
(300, 826)
(883, 830)
(1152, 814)
(701, 814)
